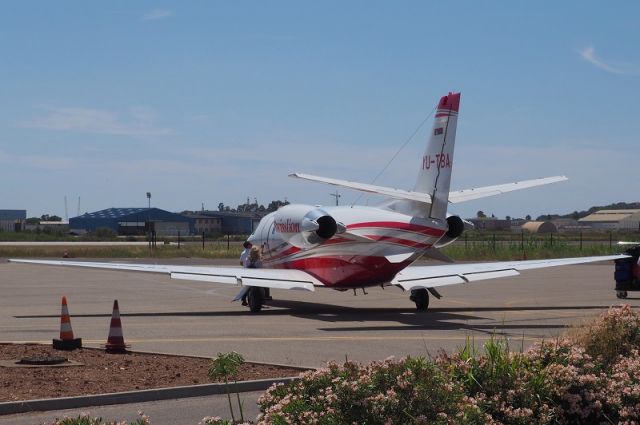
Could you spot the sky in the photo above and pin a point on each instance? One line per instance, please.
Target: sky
(204, 102)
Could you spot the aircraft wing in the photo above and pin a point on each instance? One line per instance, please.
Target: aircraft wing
(266, 278)
(369, 188)
(452, 274)
(483, 192)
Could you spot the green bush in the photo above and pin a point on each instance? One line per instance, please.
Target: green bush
(592, 379)
(87, 420)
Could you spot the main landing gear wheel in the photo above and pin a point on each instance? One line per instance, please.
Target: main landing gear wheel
(621, 294)
(255, 299)
(421, 298)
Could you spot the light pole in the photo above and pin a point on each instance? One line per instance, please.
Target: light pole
(337, 196)
(149, 216)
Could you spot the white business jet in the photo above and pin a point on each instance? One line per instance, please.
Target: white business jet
(350, 247)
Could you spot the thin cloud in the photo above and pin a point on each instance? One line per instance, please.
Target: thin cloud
(157, 14)
(98, 121)
(589, 54)
(36, 162)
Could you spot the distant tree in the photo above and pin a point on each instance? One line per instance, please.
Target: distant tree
(47, 217)
(33, 220)
(274, 205)
(528, 217)
(508, 218)
(220, 206)
(481, 214)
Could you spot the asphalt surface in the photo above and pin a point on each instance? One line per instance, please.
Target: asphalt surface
(186, 411)
(304, 329)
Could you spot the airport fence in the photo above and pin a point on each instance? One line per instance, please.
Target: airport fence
(523, 245)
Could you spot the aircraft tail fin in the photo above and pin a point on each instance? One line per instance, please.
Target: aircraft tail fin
(434, 177)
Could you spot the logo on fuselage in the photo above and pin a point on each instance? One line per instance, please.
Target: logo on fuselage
(287, 226)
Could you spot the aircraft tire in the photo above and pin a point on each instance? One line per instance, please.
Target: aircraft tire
(621, 294)
(421, 298)
(255, 299)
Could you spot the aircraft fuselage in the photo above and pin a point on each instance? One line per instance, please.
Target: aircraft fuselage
(376, 245)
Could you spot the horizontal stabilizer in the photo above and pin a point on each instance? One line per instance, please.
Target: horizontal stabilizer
(454, 197)
(483, 192)
(369, 188)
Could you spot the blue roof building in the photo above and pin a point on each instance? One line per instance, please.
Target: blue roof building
(133, 221)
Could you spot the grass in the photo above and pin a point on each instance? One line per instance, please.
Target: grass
(487, 250)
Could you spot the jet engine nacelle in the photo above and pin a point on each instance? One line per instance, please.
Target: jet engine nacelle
(457, 226)
(305, 226)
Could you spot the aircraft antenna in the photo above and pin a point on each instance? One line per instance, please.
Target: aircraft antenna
(398, 151)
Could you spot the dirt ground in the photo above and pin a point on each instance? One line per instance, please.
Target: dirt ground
(107, 373)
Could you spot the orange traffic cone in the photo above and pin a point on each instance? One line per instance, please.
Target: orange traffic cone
(66, 341)
(115, 341)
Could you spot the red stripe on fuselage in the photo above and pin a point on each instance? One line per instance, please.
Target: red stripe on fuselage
(398, 241)
(380, 238)
(289, 251)
(409, 227)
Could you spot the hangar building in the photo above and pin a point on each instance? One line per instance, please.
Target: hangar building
(613, 220)
(540, 227)
(205, 223)
(132, 221)
(12, 220)
(235, 223)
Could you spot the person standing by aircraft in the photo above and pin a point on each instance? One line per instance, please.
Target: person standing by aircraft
(254, 258)
(252, 261)
(244, 262)
(244, 256)
(255, 262)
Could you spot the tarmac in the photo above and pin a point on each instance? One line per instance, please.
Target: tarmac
(301, 329)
